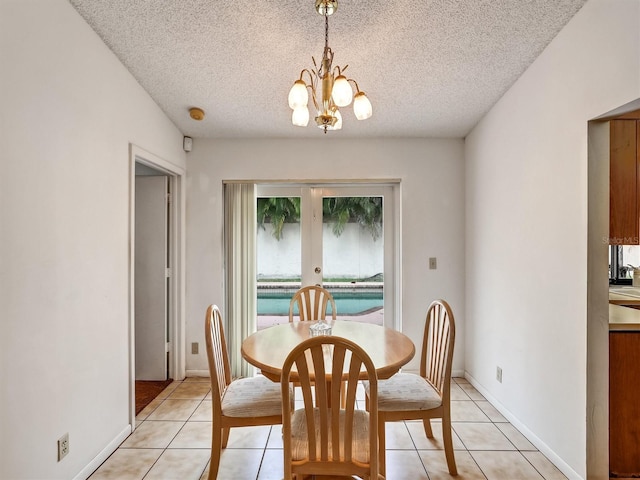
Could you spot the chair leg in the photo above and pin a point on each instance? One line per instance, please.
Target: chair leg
(225, 436)
(427, 427)
(216, 451)
(448, 444)
(382, 464)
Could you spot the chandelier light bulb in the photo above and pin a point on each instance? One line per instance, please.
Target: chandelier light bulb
(362, 106)
(298, 95)
(300, 116)
(342, 93)
(338, 124)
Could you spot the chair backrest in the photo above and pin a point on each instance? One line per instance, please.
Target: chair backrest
(312, 303)
(437, 347)
(331, 449)
(217, 356)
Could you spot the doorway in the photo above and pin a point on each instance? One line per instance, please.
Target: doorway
(156, 278)
(340, 236)
(152, 274)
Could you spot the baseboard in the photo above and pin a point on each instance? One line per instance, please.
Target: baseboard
(569, 472)
(197, 373)
(104, 454)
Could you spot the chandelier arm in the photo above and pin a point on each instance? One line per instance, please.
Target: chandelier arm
(355, 83)
(311, 86)
(340, 69)
(313, 97)
(308, 72)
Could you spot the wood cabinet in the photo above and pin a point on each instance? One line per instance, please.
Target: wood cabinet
(624, 404)
(624, 182)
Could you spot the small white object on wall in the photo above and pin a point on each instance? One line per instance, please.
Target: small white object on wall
(187, 144)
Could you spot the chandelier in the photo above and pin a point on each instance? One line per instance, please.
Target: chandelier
(329, 88)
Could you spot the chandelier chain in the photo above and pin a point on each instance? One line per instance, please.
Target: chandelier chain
(326, 31)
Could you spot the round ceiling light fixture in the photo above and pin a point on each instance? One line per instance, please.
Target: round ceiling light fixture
(196, 113)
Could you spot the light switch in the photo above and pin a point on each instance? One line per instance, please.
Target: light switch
(433, 264)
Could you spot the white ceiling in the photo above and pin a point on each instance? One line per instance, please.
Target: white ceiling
(431, 68)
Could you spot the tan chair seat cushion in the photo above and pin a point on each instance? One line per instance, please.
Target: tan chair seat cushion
(252, 397)
(299, 441)
(405, 392)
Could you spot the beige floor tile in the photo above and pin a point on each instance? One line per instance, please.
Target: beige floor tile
(179, 465)
(404, 465)
(174, 410)
(275, 437)
(127, 464)
(237, 464)
(436, 465)
(517, 438)
(491, 411)
(416, 430)
(148, 410)
(167, 391)
(203, 412)
(460, 380)
(153, 434)
(471, 391)
(541, 463)
(193, 435)
(397, 436)
(482, 436)
(190, 390)
(505, 466)
(197, 379)
(272, 465)
(249, 437)
(458, 393)
(467, 411)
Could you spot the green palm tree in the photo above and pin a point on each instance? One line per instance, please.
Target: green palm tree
(278, 211)
(366, 211)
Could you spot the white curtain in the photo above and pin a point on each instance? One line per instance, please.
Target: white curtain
(240, 267)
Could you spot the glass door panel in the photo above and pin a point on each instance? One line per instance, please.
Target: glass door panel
(278, 256)
(353, 254)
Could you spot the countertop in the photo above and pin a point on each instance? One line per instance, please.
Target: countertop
(622, 315)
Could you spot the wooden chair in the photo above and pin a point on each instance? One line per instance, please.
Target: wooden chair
(238, 403)
(407, 396)
(319, 439)
(312, 303)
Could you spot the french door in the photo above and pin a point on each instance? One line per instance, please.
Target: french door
(341, 237)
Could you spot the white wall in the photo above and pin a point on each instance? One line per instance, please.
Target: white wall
(526, 191)
(432, 175)
(69, 111)
(355, 254)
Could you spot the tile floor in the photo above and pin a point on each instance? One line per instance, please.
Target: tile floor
(173, 435)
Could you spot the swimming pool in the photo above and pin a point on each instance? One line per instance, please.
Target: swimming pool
(347, 303)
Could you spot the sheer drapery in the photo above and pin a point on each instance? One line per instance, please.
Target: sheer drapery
(240, 266)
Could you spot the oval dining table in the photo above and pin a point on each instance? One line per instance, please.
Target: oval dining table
(267, 349)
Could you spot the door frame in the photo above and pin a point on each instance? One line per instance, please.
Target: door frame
(392, 262)
(177, 229)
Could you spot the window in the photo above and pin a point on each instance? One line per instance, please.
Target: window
(622, 260)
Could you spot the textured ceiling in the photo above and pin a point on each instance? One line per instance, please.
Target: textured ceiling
(431, 68)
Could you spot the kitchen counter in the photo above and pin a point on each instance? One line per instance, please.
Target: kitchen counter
(622, 314)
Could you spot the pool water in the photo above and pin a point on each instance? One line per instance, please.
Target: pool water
(347, 303)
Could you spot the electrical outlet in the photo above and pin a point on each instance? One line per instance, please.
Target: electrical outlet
(433, 263)
(63, 446)
(194, 348)
(499, 374)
